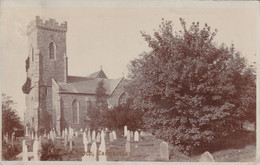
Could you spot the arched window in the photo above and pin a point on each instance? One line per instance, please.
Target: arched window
(75, 111)
(122, 99)
(32, 54)
(52, 50)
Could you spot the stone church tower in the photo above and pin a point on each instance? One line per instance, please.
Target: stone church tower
(55, 100)
(46, 60)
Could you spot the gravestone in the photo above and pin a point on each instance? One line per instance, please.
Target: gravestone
(93, 149)
(114, 135)
(32, 136)
(65, 139)
(125, 130)
(206, 157)
(164, 151)
(111, 137)
(35, 150)
(89, 136)
(80, 129)
(98, 138)
(127, 147)
(136, 138)
(70, 144)
(76, 133)
(86, 147)
(131, 134)
(93, 135)
(26, 131)
(25, 151)
(84, 137)
(128, 136)
(102, 135)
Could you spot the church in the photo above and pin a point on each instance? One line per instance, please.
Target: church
(55, 99)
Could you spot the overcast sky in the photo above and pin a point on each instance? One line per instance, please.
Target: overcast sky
(110, 36)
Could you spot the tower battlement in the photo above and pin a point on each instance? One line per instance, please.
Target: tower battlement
(50, 24)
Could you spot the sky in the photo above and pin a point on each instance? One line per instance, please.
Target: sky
(108, 35)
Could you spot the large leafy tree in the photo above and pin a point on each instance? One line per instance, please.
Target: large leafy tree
(192, 91)
(10, 120)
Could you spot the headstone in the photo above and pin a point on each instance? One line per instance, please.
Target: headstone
(40, 142)
(76, 133)
(65, 139)
(111, 137)
(89, 136)
(26, 131)
(128, 136)
(25, 151)
(98, 138)
(127, 147)
(114, 135)
(93, 135)
(132, 134)
(93, 149)
(102, 135)
(86, 147)
(80, 129)
(206, 157)
(136, 138)
(71, 144)
(125, 130)
(66, 131)
(12, 139)
(32, 136)
(84, 137)
(164, 151)
(35, 150)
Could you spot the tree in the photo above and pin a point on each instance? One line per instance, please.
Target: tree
(98, 108)
(10, 119)
(191, 90)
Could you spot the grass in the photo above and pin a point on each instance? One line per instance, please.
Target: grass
(234, 149)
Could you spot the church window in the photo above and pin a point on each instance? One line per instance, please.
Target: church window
(122, 99)
(75, 111)
(52, 50)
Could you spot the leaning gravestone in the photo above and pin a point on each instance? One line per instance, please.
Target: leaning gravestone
(136, 138)
(206, 157)
(164, 151)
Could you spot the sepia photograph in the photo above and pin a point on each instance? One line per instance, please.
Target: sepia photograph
(106, 81)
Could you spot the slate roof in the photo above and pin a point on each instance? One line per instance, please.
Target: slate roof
(99, 74)
(88, 85)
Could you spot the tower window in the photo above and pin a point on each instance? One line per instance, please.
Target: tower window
(75, 111)
(52, 50)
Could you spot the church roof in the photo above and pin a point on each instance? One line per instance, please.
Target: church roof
(88, 85)
(99, 74)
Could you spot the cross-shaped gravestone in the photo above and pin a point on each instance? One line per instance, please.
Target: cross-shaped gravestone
(164, 151)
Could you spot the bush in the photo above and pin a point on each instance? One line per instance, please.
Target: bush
(50, 152)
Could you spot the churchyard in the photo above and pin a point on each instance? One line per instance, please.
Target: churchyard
(120, 145)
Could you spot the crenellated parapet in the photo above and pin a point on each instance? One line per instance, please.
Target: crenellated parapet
(50, 24)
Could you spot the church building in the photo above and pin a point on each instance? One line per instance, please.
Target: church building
(55, 99)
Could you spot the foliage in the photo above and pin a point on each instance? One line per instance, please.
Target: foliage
(27, 86)
(191, 90)
(98, 108)
(122, 115)
(50, 152)
(10, 119)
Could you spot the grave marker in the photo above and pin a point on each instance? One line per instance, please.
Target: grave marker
(98, 138)
(128, 136)
(206, 157)
(93, 135)
(125, 130)
(136, 138)
(35, 150)
(25, 151)
(93, 149)
(164, 151)
(127, 147)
